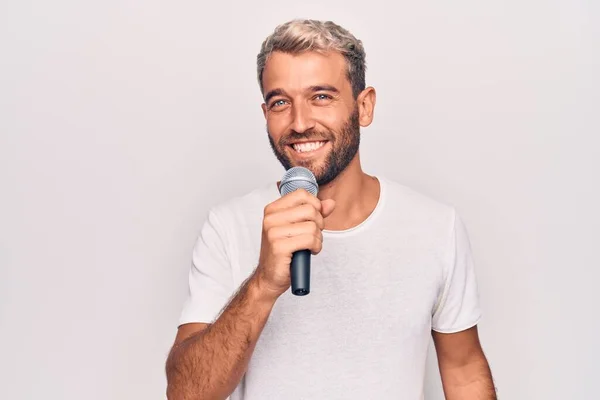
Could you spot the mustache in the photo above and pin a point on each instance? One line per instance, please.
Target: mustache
(310, 134)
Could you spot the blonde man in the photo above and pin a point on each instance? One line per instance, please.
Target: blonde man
(393, 267)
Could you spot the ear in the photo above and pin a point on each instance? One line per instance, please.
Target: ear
(264, 109)
(366, 106)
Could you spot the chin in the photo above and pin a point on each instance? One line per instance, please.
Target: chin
(317, 167)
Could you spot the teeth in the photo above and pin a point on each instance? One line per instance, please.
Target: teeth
(307, 146)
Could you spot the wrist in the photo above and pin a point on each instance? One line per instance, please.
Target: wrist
(260, 292)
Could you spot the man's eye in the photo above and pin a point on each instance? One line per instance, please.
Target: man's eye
(322, 97)
(277, 103)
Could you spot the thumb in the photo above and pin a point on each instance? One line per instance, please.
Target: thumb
(327, 207)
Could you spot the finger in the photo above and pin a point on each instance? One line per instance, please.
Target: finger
(327, 207)
(295, 198)
(305, 212)
(301, 242)
(291, 230)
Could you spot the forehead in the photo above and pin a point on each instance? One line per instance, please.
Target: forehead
(294, 72)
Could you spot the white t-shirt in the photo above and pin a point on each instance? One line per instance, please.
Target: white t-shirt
(377, 291)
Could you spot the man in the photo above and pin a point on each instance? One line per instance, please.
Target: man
(390, 266)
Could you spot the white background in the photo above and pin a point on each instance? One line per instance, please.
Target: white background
(121, 122)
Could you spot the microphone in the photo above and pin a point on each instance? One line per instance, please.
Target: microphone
(299, 178)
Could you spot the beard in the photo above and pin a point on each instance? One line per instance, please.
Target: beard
(344, 147)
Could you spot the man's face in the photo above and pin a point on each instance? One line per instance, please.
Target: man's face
(312, 117)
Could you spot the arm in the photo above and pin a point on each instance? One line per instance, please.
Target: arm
(207, 361)
(464, 368)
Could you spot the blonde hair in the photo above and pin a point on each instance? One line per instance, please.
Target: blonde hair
(297, 36)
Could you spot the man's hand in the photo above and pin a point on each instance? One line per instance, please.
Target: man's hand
(291, 223)
(208, 360)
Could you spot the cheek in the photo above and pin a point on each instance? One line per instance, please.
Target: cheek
(276, 127)
(330, 119)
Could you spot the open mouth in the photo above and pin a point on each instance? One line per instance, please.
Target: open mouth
(307, 147)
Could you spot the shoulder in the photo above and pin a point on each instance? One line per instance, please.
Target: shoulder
(405, 196)
(409, 203)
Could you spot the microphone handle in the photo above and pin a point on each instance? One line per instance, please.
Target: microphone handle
(300, 272)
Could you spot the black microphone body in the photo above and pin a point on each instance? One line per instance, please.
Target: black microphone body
(300, 272)
(299, 178)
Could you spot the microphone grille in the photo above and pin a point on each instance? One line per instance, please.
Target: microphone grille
(298, 178)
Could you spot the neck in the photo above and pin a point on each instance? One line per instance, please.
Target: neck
(355, 193)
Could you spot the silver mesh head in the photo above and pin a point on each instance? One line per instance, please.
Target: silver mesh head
(298, 178)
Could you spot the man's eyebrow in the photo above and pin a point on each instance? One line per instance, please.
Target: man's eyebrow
(323, 88)
(273, 93)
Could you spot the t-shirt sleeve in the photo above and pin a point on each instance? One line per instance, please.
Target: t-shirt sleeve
(459, 307)
(210, 276)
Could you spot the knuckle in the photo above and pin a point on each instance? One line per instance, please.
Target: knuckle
(299, 194)
(306, 196)
(317, 203)
(267, 209)
(268, 221)
(318, 221)
(315, 213)
(317, 244)
(316, 229)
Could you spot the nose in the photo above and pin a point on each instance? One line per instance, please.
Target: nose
(302, 117)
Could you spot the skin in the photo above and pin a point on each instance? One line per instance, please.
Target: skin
(307, 97)
(300, 109)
